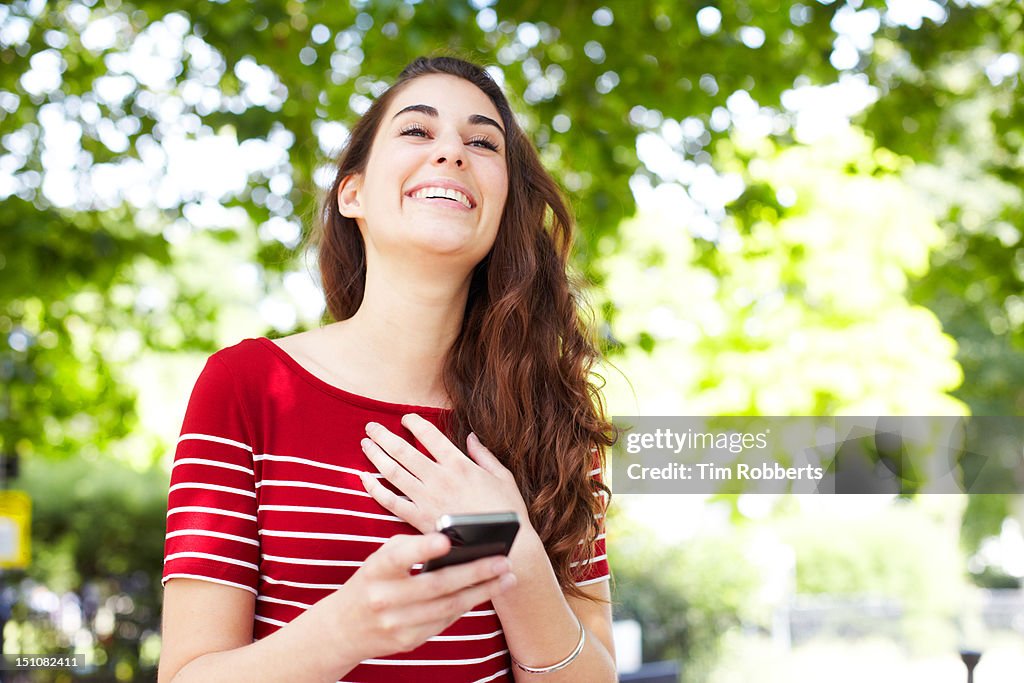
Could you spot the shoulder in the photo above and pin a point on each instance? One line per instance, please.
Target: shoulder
(240, 352)
(253, 362)
(231, 368)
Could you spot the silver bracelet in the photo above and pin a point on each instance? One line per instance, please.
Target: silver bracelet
(562, 664)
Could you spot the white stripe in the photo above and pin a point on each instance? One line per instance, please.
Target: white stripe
(480, 613)
(433, 662)
(314, 463)
(213, 487)
(317, 563)
(296, 584)
(211, 463)
(200, 577)
(597, 580)
(300, 605)
(211, 556)
(330, 511)
(594, 559)
(214, 534)
(215, 439)
(268, 620)
(310, 485)
(481, 636)
(594, 472)
(323, 536)
(491, 678)
(212, 511)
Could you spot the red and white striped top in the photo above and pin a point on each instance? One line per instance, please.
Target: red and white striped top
(265, 496)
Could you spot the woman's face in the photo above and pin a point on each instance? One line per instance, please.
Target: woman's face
(436, 179)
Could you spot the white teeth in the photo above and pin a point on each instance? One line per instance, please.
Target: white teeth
(448, 193)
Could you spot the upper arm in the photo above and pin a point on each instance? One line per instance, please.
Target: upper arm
(211, 551)
(200, 617)
(596, 615)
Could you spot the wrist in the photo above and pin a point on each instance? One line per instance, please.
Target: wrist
(338, 646)
(562, 663)
(528, 549)
(534, 575)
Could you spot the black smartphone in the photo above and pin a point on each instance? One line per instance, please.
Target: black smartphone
(475, 536)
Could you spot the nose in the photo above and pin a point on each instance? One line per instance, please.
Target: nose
(442, 160)
(450, 150)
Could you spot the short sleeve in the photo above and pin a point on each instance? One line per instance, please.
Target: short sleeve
(596, 569)
(211, 504)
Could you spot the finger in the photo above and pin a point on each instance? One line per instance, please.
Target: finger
(432, 438)
(401, 552)
(429, 585)
(482, 455)
(454, 605)
(395, 504)
(392, 470)
(400, 450)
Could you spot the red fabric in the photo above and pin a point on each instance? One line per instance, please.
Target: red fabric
(265, 496)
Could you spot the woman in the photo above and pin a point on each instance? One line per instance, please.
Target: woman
(311, 470)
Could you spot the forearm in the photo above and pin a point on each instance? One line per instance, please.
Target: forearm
(539, 625)
(298, 651)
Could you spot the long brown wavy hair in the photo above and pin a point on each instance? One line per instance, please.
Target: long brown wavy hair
(520, 374)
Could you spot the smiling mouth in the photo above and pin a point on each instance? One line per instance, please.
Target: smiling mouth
(445, 193)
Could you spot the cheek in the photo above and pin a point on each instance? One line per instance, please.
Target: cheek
(388, 158)
(385, 173)
(498, 179)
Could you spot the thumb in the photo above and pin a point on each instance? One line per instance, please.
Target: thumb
(396, 557)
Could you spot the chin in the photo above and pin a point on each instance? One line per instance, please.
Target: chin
(449, 240)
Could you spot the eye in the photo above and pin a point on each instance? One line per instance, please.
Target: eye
(415, 130)
(485, 142)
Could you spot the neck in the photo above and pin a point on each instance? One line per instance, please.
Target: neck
(407, 322)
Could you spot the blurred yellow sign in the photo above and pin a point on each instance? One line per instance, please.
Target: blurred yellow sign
(15, 529)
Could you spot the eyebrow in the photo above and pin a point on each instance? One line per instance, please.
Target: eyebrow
(476, 119)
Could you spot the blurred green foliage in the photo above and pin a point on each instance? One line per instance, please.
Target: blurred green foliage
(793, 310)
(686, 597)
(896, 573)
(900, 554)
(92, 509)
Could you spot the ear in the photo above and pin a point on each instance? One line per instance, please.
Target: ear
(349, 196)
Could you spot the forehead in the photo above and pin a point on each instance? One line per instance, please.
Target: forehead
(450, 95)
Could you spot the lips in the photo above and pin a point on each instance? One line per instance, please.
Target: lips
(443, 187)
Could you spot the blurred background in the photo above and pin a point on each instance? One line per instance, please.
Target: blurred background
(784, 209)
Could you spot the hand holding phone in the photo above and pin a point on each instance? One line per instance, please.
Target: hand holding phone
(475, 536)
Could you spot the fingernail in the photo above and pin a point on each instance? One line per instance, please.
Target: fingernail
(365, 443)
(500, 565)
(371, 427)
(473, 436)
(507, 581)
